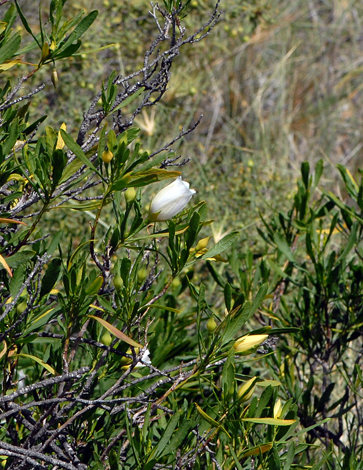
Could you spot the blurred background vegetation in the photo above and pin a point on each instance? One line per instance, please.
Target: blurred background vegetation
(278, 83)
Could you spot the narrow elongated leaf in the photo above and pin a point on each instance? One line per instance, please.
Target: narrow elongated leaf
(161, 307)
(4, 220)
(222, 245)
(143, 178)
(210, 420)
(39, 361)
(167, 435)
(283, 247)
(128, 100)
(19, 258)
(178, 437)
(112, 329)
(78, 31)
(235, 322)
(41, 320)
(3, 352)
(5, 265)
(51, 276)
(76, 149)
(271, 421)
(262, 449)
(235, 458)
(9, 48)
(351, 242)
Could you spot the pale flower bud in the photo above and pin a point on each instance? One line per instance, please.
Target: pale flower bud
(248, 344)
(130, 195)
(245, 392)
(202, 244)
(170, 201)
(278, 409)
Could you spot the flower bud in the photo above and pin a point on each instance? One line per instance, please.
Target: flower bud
(248, 344)
(170, 201)
(211, 325)
(54, 78)
(202, 244)
(278, 409)
(107, 156)
(130, 195)
(245, 392)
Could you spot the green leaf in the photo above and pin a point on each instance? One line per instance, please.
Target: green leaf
(42, 319)
(161, 307)
(9, 47)
(341, 205)
(237, 320)
(78, 31)
(222, 245)
(167, 435)
(95, 286)
(210, 420)
(76, 149)
(143, 178)
(305, 169)
(22, 257)
(71, 169)
(319, 168)
(26, 24)
(277, 269)
(55, 242)
(351, 242)
(283, 247)
(17, 280)
(178, 437)
(290, 456)
(235, 458)
(128, 100)
(257, 450)
(51, 276)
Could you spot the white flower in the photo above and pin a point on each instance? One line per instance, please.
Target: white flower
(171, 200)
(145, 360)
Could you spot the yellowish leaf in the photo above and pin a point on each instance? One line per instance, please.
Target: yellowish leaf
(257, 450)
(272, 421)
(3, 352)
(39, 361)
(9, 63)
(4, 220)
(6, 266)
(112, 329)
(210, 420)
(60, 141)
